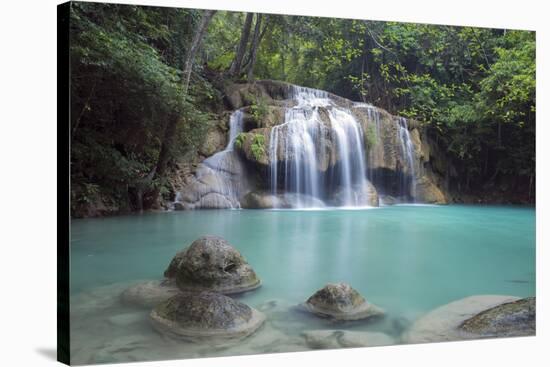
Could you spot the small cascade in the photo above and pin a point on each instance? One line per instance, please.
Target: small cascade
(408, 178)
(218, 179)
(350, 144)
(297, 142)
(375, 152)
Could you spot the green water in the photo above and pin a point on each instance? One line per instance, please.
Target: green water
(406, 259)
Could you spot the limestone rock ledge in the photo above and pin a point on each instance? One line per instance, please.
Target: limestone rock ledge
(473, 318)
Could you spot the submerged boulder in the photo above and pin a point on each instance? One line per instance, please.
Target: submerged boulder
(327, 339)
(475, 317)
(516, 318)
(205, 316)
(150, 293)
(211, 263)
(340, 302)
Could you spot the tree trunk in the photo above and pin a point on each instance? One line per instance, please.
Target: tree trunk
(254, 47)
(499, 139)
(197, 39)
(143, 187)
(235, 68)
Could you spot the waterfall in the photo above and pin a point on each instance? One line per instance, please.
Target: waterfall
(218, 179)
(408, 181)
(298, 143)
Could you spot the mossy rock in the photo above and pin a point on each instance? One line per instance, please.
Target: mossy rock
(271, 116)
(211, 263)
(340, 302)
(205, 317)
(254, 146)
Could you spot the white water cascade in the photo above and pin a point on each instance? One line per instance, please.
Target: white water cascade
(408, 182)
(219, 179)
(299, 142)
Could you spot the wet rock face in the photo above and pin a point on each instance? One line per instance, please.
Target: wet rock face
(363, 194)
(207, 188)
(211, 263)
(509, 319)
(428, 192)
(197, 315)
(341, 302)
(266, 200)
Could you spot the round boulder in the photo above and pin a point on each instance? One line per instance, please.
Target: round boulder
(212, 264)
(205, 316)
(340, 302)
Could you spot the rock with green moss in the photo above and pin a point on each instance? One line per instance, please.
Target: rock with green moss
(211, 263)
(340, 302)
(269, 116)
(254, 146)
(205, 317)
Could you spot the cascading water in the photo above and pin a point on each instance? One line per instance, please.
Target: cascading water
(408, 181)
(297, 143)
(218, 176)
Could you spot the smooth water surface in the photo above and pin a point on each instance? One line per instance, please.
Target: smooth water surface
(405, 259)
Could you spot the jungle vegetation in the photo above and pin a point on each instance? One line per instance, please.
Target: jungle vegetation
(147, 82)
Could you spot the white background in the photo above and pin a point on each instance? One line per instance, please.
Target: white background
(28, 181)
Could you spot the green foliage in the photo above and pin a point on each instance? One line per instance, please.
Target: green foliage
(239, 140)
(257, 144)
(258, 147)
(125, 85)
(473, 88)
(259, 109)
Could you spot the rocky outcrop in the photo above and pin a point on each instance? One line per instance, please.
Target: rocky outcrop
(213, 184)
(150, 293)
(211, 263)
(473, 318)
(331, 339)
(364, 194)
(215, 141)
(391, 167)
(267, 200)
(205, 317)
(428, 192)
(245, 94)
(340, 302)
